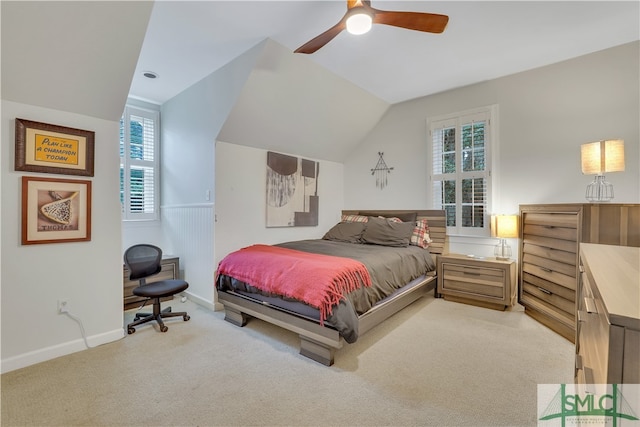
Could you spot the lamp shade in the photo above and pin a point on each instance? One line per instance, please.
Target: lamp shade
(602, 156)
(504, 226)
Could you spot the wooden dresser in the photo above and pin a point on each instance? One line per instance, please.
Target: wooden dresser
(608, 316)
(550, 236)
(170, 270)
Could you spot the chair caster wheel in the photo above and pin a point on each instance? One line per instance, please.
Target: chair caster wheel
(131, 330)
(164, 328)
(186, 317)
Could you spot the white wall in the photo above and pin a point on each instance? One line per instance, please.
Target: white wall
(190, 123)
(241, 200)
(544, 116)
(34, 277)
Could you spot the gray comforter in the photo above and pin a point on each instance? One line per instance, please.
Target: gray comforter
(390, 269)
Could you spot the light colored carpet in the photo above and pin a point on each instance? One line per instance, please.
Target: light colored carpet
(436, 363)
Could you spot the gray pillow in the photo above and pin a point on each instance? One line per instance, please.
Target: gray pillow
(404, 217)
(381, 231)
(350, 232)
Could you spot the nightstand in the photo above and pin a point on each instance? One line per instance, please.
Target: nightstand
(487, 282)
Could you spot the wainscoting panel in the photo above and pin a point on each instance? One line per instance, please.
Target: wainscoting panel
(189, 234)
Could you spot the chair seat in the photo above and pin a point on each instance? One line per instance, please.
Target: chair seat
(160, 289)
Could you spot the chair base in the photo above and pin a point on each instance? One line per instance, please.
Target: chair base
(157, 315)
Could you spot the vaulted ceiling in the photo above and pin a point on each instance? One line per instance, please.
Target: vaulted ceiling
(186, 41)
(87, 57)
(76, 56)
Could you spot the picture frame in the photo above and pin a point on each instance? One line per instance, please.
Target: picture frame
(55, 210)
(292, 191)
(47, 148)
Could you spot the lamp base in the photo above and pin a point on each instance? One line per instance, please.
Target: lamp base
(599, 190)
(502, 251)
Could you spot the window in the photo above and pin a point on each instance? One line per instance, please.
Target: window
(139, 164)
(460, 179)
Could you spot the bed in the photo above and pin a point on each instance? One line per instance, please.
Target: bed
(324, 327)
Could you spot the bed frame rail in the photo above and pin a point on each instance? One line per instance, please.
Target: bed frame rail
(316, 342)
(381, 312)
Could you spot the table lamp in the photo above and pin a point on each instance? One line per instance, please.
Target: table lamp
(597, 158)
(504, 227)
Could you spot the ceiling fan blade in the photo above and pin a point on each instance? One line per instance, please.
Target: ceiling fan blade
(419, 21)
(321, 40)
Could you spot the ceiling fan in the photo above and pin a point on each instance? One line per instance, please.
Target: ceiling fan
(360, 16)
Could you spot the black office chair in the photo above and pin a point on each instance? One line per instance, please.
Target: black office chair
(143, 261)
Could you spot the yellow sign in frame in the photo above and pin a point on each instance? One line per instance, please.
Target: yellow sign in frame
(42, 147)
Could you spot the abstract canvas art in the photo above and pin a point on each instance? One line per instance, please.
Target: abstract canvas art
(292, 191)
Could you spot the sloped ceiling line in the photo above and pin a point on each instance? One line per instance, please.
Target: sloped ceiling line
(296, 106)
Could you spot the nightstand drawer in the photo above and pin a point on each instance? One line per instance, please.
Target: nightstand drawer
(476, 280)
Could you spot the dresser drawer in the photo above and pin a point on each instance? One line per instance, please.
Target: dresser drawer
(550, 292)
(567, 321)
(561, 251)
(550, 224)
(549, 298)
(592, 327)
(471, 279)
(550, 265)
(549, 231)
(550, 220)
(549, 287)
(549, 275)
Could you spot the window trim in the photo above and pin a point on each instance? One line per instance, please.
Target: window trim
(126, 163)
(491, 173)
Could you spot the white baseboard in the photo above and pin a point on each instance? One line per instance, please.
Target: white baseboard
(48, 353)
(215, 306)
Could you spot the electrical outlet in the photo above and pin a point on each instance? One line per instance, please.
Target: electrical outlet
(63, 306)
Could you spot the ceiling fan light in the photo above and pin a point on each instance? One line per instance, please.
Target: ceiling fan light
(359, 23)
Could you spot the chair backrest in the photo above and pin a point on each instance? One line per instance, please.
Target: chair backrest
(143, 260)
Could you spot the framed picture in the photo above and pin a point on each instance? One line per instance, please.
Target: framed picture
(41, 147)
(55, 210)
(292, 191)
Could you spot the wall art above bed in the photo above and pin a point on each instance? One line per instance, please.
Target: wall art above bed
(292, 191)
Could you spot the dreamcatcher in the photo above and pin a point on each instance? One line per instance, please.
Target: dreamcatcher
(381, 171)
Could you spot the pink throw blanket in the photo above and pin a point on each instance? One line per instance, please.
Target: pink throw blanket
(319, 280)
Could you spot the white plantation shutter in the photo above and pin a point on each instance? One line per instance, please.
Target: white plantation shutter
(460, 177)
(139, 164)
